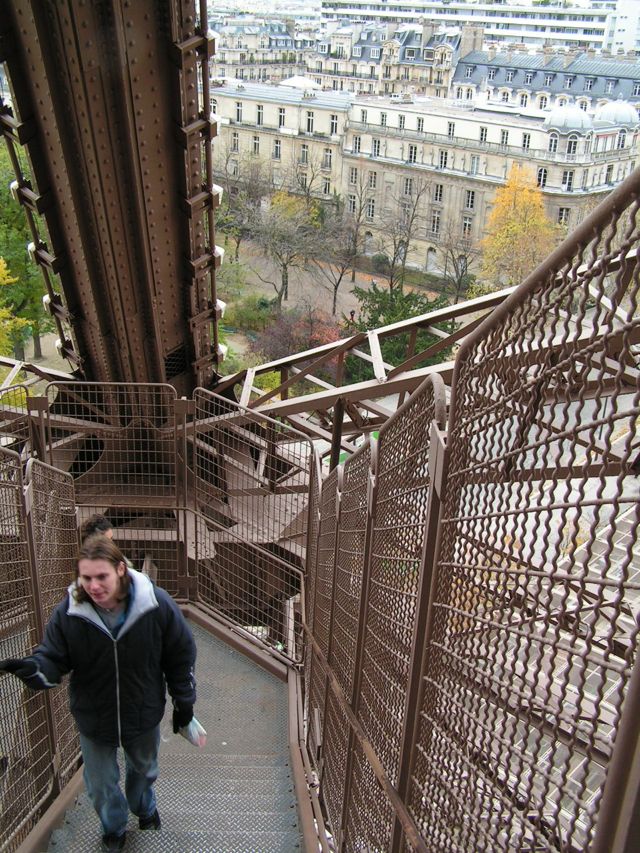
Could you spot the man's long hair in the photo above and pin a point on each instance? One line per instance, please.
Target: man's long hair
(99, 547)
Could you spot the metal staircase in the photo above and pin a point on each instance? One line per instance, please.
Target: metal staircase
(234, 796)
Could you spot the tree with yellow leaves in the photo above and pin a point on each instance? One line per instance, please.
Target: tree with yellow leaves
(10, 327)
(519, 233)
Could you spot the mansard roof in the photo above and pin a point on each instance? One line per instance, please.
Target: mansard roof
(551, 73)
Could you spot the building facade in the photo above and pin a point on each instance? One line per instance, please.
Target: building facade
(256, 50)
(381, 60)
(557, 24)
(441, 159)
(547, 78)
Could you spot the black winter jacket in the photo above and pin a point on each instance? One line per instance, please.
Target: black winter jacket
(117, 688)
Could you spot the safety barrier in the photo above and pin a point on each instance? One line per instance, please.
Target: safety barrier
(40, 748)
(474, 681)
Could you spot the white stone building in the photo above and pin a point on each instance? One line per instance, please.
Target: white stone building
(447, 158)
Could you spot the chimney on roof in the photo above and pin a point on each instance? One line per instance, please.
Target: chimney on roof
(591, 53)
(492, 50)
(428, 29)
(548, 53)
(471, 38)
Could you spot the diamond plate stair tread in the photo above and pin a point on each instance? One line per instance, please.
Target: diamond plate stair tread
(189, 842)
(235, 795)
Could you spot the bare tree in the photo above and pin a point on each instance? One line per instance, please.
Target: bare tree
(459, 254)
(287, 235)
(401, 221)
(358, 197)
(333, 252)
(306, 171)
(247, 181)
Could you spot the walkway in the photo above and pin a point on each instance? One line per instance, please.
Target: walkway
(233, 796)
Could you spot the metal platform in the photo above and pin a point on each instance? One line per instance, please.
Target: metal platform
(235, 795)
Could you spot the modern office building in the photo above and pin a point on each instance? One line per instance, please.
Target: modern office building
(603, 26)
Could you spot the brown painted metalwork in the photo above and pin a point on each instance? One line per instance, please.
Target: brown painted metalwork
(495, 726)
(111, 102)
(40, 745)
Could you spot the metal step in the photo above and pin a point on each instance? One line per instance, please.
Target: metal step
(234, 796)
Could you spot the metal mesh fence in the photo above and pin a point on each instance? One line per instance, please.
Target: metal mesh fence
(347, 588)
(253, 479)
(370, 816)
(494, 708)
(52, 512)
(115, 440)
(369, 567)
(398, 539)
(533, 629)
(26, 777)
(14, 418)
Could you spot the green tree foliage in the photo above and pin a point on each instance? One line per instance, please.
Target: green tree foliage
(381, 306)
(519, 233)
(22, 298)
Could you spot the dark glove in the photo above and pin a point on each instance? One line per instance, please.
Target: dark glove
(182, 716)
(23, 668)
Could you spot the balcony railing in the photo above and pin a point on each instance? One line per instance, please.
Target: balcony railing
(442, 139)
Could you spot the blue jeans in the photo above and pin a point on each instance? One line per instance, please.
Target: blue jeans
(102, 776)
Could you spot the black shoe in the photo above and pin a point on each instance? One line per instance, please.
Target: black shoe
(151, 822)
(113, 841)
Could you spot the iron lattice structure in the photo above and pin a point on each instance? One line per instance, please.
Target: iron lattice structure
(460, 596)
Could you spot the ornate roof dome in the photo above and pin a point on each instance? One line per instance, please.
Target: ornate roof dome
(617, 112)
(568, 118)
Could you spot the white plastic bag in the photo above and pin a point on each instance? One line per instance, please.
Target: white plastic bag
(194, 733)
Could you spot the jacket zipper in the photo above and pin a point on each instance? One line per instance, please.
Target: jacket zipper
(115, 653)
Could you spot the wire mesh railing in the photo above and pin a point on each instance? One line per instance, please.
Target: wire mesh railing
(40, 747)
(366, 585)
(532, 633)
(253, 493)
(476, 592)
(51, 508)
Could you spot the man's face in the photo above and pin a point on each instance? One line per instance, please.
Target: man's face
(101, 581)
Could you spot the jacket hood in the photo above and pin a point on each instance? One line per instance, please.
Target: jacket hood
(143, 600)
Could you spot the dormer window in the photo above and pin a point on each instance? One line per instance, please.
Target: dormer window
(548, 79)
(528, 77)
(568, 82)
(357, 51)
(411, 53)
(510, 75)
(375, 53)
(427, 54)
(468, 71)
(492, 73)
(323, 48)
(588, 84)
(609, 86)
